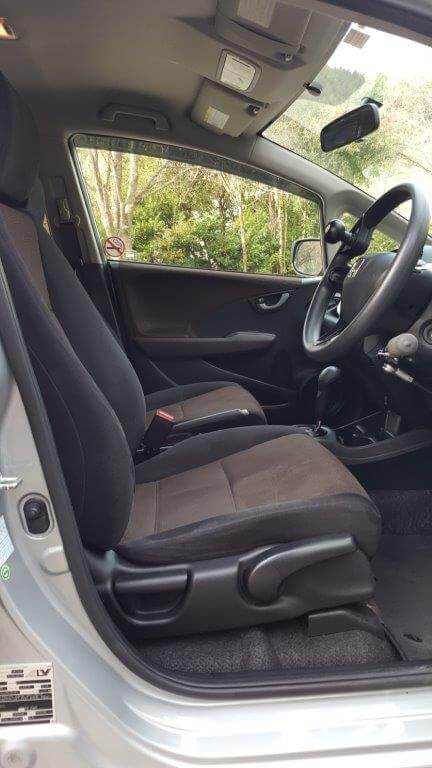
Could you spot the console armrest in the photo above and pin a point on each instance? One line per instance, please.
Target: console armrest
(234, 418)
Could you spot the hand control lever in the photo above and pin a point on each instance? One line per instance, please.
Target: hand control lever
(326, 378)
(336, 232)
(402, 346)
(399, 347)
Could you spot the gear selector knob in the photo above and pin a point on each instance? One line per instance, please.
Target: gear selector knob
(326, 378)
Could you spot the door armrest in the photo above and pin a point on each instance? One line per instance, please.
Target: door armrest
(196, 346)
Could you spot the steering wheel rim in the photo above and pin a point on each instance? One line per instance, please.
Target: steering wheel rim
(339, 343)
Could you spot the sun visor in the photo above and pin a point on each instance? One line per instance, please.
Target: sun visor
(223, 111)
(267, 27)
(255, 58)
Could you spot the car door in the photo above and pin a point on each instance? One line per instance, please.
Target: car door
(201, 270)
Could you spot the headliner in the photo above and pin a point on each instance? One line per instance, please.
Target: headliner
(73, 58)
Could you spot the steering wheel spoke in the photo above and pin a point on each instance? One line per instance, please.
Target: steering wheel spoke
(371, 287)
(334, 331)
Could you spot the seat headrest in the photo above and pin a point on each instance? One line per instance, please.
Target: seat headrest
(19, 146)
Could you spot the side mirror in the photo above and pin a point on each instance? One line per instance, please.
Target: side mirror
(307, 257)
(351, 127)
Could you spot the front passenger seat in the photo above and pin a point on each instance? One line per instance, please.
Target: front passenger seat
(226, 529)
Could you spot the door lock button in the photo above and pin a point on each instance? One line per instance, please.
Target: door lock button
(36, 515)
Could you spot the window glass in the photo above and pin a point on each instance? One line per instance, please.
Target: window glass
(153, 208)
(395, 72)
(380, 242)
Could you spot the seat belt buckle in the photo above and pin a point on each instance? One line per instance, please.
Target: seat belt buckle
(158, 431)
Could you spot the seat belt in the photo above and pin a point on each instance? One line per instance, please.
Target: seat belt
(88, 274)
(70, 245)
(68, 235)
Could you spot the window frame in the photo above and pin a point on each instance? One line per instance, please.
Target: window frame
(194, 157)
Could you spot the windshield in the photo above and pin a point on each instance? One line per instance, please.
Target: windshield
(395, 72)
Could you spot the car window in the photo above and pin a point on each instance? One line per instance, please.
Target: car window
(156, 209)
(392, 71)
(379, 242)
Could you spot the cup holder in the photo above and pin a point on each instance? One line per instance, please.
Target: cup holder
(367, 431)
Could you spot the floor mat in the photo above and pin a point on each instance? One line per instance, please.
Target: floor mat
(405, 512)
(403, 568)
(271, 647)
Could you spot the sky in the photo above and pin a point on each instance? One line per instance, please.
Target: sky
(389, 55)
(386, 54)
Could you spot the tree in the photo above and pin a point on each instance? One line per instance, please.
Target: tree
(235, 188)
(117, 181)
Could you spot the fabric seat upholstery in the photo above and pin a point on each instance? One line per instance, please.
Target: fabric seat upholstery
(212, 495)
(242, 489)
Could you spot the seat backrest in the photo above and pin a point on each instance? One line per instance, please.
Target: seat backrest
(93, 397)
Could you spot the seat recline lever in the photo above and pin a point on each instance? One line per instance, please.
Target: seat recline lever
(263, 578)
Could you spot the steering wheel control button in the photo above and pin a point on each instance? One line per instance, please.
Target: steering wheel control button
(36, 516)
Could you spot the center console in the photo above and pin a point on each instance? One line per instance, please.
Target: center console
(374, 428)
(376, 437)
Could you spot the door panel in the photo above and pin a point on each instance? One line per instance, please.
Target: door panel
(185, 325)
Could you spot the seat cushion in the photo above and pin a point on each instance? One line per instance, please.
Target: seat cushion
(193, 401)
(274, 491)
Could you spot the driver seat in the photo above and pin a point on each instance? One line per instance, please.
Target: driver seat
(226, 529)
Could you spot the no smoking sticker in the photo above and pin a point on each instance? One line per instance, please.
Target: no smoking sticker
(114, 247)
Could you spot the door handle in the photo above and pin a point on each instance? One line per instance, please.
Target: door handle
(271, 302)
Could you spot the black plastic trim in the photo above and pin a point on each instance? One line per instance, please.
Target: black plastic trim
(399, 445)
(196, 346)
(265, 585)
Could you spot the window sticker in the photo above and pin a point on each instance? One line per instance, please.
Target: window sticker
(114, 247)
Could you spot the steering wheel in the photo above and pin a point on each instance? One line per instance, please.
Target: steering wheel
(373, 283)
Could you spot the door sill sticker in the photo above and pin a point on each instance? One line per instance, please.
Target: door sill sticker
(26, 694)
(6, 546)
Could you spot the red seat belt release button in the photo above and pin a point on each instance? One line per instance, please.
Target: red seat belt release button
(158, 431)
(164, 415)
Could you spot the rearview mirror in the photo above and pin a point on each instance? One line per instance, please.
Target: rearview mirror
(350, 127)
(307, 257)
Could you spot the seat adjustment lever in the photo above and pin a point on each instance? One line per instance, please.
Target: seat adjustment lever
(265, 575)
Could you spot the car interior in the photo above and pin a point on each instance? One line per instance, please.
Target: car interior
(246, 447)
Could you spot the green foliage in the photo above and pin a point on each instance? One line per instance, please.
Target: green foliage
(195, 219)
(400, 150)
(380, 241)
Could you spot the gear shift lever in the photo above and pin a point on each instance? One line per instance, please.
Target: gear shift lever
(326, 378)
